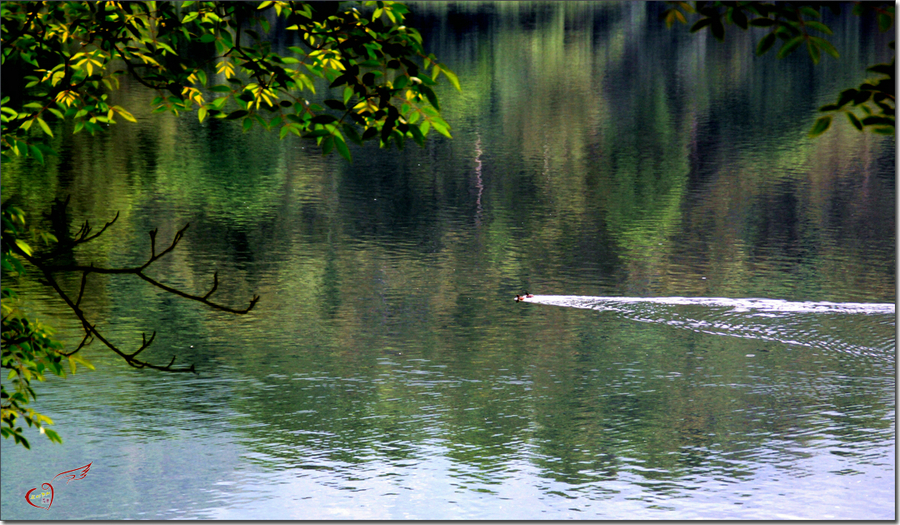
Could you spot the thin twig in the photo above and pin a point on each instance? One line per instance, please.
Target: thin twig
(91, 331)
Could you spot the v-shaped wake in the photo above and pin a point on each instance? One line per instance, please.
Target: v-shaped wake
(857, 328)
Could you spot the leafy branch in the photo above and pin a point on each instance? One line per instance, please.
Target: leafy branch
(29, 350)
(68, 52)
(795, 24)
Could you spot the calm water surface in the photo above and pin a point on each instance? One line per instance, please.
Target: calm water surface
(712, 333)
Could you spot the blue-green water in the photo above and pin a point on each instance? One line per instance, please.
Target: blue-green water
(712, 333)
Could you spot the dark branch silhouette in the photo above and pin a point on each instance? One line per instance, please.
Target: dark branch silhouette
(83, 235)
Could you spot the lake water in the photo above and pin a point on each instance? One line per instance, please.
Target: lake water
(712, 332)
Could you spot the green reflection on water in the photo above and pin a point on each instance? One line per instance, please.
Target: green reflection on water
(610, 157)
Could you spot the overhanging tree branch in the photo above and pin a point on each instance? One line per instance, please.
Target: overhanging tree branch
(91, 331)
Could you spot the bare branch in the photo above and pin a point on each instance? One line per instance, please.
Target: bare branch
(83, 282)
(153, 243)
(139, 271)
(83, 235)
(198, 298)
(153, 257)
(88, 339)
(92, 330)
(144, 345)
(215, 285)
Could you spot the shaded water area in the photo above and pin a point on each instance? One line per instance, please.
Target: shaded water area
(712, 332)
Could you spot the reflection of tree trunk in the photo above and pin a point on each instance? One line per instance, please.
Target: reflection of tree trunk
(59, 219)
(478, 182)
(867, 167)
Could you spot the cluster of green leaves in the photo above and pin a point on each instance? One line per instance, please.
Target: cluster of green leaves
(796, 23)
(72, 54)
(875, 99)
(29, 348)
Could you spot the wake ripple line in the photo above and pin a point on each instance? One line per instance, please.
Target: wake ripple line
(738, 305)
(763, 310)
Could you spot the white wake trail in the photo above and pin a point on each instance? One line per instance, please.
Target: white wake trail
(826, 325)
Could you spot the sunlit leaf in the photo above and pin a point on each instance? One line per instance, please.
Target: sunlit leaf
(26, 249)
(44, 126)
(124, 113)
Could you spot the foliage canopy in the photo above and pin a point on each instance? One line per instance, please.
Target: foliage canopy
(217, 57)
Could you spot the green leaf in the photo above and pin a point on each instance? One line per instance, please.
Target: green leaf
(810, 12)
(247, 125)
(324, 119)
(124, 113)
(826, 46)
(876, 120)
(718, 29)
(342, 148)
(53, 436)
(351, 132)
(814, 52)
(822, 124)
(885, 22)
(44, 126)
(700, 24)
(417, 135)
(429, 94)
(237, 114)
(26, 249)
(327, 144)
(882, 69)
(762, 22)
(847, 95)
(855, 121)
(441, 126)
(765, 44)
(451, 76)
(316, 133)
(36, 153)
(819, 26)
(790, 46)
(739, 18)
